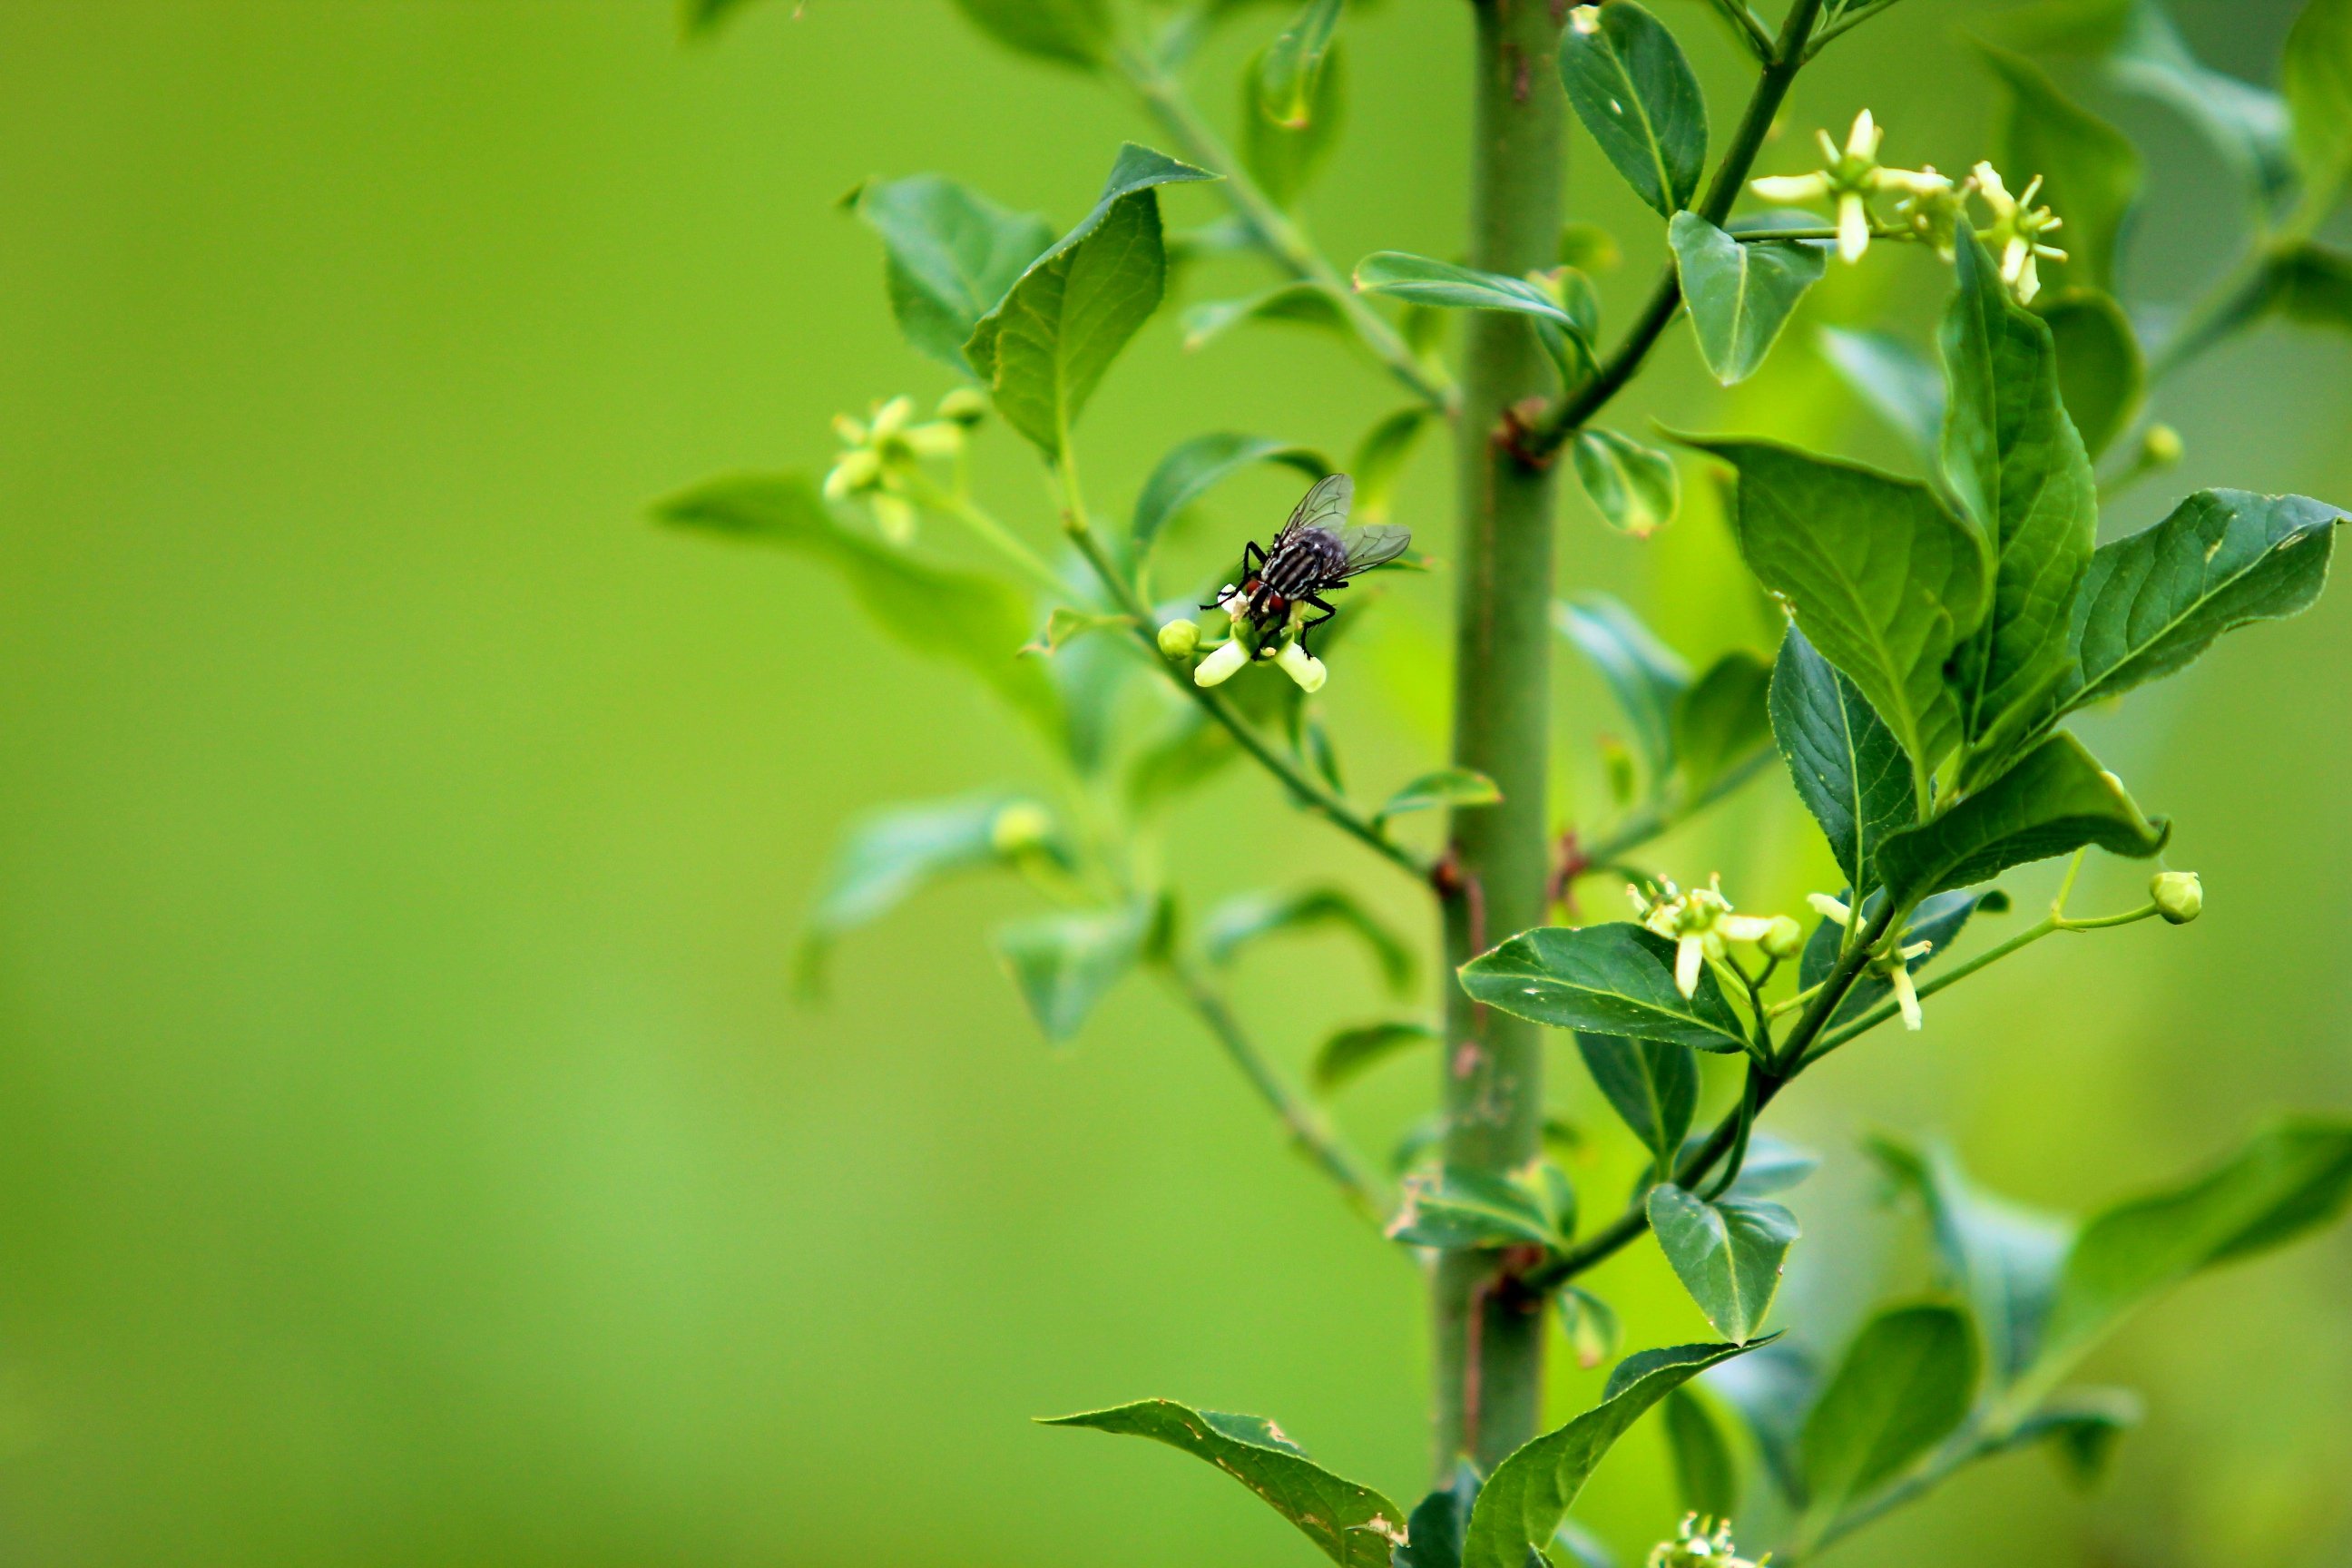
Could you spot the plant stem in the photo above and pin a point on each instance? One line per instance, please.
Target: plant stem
(1313, 1135)
(1788, 55)
(1164, 97)
(1309, 792)
(989, 531)
(1488, 1328)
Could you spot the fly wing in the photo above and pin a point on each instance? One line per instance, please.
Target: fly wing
(1374, 545)
(1324, 507)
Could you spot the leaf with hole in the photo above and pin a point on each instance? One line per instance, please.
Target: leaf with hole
(1628, 82)
(1352, 1525)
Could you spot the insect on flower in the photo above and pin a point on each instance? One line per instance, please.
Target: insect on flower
(1316, 553)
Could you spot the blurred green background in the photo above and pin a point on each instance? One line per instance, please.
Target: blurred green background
(409, 1151)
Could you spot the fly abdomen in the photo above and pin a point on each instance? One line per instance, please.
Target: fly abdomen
(1309, 557)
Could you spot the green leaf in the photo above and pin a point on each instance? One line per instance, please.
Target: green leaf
(2090, 171)
(2289, 1179)
(1900, 385)
(1352, 1525)
(1349, 1054)
(1439, 1522)
(1723, 719)
(1529, 1493)
(2052, 801)
(1607, 979)
(1705, 1474)
(1288, 75)
(1628, 82)
(1297, 304)
(1459, 1208)
(1771, 1165)
(1069, 32)
(1771, 1389)
(2102, 375)
(1196, 466)
(1652, 1084)
(1884, 582)
(1739, 295)
(888, 856)
(1283, 154)
(1634, 486)
(1044, 347)
(1453, 788)
(2317, 79)
(2003, 1257)
(1728, 1254)
(2152, 601)
(975, 621)
(1591, 1324)
(1847, 765)
(2012, 457)
(2142, 53)
(1905, 1383)
(2082, 1426)
(1419, 280)
(1380, 459)
(2309, 284)
(1252, 917)
(1646, 677)
(949, 253)
(1064, 964)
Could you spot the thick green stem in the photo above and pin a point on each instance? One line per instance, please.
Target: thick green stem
(1488, 1326)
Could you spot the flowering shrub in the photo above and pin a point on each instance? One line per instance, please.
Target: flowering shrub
(1940, 630)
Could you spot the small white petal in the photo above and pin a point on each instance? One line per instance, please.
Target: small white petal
(1744, 928)
(1829, 908)
(1853, 228)
(1906, 996)
(1221, 664)
(1863, 139)
(939, 439)
(1303, 667)
(1792, 187)
(1689, 952)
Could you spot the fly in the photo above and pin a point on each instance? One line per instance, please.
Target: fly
(1315, 553)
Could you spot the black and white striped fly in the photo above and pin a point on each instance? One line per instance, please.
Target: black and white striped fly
(1315, 553)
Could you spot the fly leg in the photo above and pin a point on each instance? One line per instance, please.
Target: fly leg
(1311, 622)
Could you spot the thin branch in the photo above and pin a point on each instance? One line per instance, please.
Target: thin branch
(1164, 97)
(1314, 1135)
(1763, 105)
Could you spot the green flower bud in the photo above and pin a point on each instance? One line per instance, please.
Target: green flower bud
(2179, 896)
(1179, 638)
(1783, 939)
(1023, 826)
(965, 405)
(2160, 447)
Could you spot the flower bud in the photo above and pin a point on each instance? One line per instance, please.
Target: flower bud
(1784, 937)
(2179, 896)
(965, 405)
(2160, 447)
(1179, 638)
(1221, 664)
(1019, 827)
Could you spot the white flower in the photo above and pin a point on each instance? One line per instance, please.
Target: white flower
(1302, 666)
(1831, 909)
(1852, 175)
(1853, 226)
(1224, 659)
(1897, 971)
(881, 453)
(2017, 229)
(1699, 923)
(1697, 1546)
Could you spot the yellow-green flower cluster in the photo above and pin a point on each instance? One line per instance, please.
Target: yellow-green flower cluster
(1180, 639)
(1700, 923)
(881, 454)
(1702, 1542)
(1852, 175)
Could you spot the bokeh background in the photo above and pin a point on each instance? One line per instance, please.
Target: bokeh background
(410, 1150)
